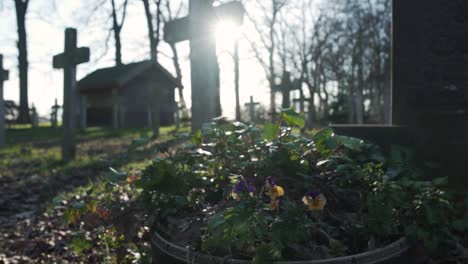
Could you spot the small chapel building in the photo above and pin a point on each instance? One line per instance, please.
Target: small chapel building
(126, 96)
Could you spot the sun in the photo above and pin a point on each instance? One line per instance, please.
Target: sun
(227, 32)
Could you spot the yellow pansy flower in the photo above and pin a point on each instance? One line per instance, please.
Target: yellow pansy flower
(314, 201)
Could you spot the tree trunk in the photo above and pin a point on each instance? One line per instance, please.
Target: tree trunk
(117, 28)
(178, 70)
(387, 95)
(21, 9)
(149, 22)
(359, 97)
(236, 80)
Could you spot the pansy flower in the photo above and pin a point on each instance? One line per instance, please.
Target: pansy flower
(275, 192)
(315, 201)
(243, 186)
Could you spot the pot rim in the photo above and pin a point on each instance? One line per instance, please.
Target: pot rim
(378, 255)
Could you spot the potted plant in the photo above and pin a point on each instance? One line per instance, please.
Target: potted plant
(241, 193)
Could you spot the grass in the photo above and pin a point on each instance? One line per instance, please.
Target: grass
(32, 160)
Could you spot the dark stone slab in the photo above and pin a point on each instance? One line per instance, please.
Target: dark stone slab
(429, 85)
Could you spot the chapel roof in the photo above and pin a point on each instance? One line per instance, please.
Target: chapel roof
(118, 76)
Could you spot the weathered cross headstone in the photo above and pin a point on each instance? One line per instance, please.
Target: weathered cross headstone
(67, 61)
(197, 27)
(3, 77)
(301, 100)
(251, 105)
(54, 114)
(429, 84)
(285, 87)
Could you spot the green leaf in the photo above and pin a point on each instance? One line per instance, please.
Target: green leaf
(270, 131)
(322, 162)
(351, 143)
(292, 118)
(197, 138)
(79, 244)
(460, 225)
(116, 176)
(440, 182)
(265, 254)
(215, 222)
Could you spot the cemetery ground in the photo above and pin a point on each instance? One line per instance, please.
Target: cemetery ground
(36, 186)
(107, 205)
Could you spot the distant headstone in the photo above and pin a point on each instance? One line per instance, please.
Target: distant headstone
(197, 27)
(251, 105)
(54, 114)
(34, 116)
(67, 61)
(3, 77)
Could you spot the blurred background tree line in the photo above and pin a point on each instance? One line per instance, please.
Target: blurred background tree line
(336, 51)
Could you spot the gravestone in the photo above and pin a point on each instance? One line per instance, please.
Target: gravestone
(301, 100)
(251, 105)
(67, 61)
(285, 87)
(198, 28)
(429, 85)
(34, 116)
(54, 114)
(3, 77)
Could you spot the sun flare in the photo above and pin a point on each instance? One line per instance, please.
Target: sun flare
(226, 33)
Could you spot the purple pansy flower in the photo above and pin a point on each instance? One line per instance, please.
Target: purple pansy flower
(313, 194)
(242, 186)
(271, 181)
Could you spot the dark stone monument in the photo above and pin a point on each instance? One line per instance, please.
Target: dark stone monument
(3, 77)
(67, 61)
(197, 27)
(429, 85)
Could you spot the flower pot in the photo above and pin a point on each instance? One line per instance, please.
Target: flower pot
(178, 254)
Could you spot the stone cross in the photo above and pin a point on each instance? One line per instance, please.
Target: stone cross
(197, 27)
(251, 105)
(3, 77)
(285, 87)
(54, 114)
(301, 100)
(67, 61)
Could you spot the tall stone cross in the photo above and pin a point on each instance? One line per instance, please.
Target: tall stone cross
(197, 27)
(3, 77)
(67, 61)
(251, 105)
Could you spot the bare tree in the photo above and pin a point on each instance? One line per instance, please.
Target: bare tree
(117, 28)
(21, 10)
(170, 15)
(268, 43)
(154, 35)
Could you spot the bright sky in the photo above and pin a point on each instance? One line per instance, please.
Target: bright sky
(45, 39)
